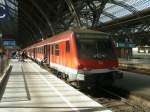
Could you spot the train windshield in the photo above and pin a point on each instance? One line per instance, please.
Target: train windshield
(95, 48)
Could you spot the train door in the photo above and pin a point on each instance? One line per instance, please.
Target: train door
(52, 53)
(67, 53)
(34, 53)
(63, 53)
(47, 53)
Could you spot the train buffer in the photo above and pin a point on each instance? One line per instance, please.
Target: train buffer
(32, 89)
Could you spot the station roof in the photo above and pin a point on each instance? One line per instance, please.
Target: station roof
(122, 8)
(32, 20)
(8, 17)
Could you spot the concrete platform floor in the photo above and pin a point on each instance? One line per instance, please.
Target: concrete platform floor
(33, 89)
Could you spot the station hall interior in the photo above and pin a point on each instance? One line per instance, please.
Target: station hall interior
(74, 55)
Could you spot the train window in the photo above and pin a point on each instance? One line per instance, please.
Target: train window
(52, 49)
(67, 46)
(48, 49)
(43, 49)
(95, 49)
(56, 49)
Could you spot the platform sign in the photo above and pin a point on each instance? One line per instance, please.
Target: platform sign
(123, 45)
(9, 43)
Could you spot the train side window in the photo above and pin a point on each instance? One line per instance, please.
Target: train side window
(67, 46)
(48, 49)
(57, 50)
(52, 49)
(42, 49)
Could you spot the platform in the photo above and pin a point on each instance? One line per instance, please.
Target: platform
(135, 63)
(32, 89)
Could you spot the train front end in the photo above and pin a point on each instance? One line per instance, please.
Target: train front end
(97, 60)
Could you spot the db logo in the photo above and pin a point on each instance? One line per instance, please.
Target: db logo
(2, 12)
(100, 62)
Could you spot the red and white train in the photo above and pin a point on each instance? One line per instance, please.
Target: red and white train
(79, 55)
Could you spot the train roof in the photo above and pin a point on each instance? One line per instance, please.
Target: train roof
(80, 31)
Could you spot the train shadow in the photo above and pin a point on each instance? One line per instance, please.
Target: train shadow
(110, 92)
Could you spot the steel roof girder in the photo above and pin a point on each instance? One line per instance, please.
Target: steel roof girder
(73, 11)
(44, 15)
(33, 22)
(124, 5)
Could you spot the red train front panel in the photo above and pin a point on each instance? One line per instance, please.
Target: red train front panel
(96, 56)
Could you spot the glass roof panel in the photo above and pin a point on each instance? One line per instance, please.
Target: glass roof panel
(119, 11)
(2, 2)
(104, 19)
(142, 4)
(122, 12)
(138, 4)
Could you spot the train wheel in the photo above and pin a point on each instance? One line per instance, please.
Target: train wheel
(66, 78)
(59, 75)
(63, 76)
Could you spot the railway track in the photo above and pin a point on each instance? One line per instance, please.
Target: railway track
(115, 101)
